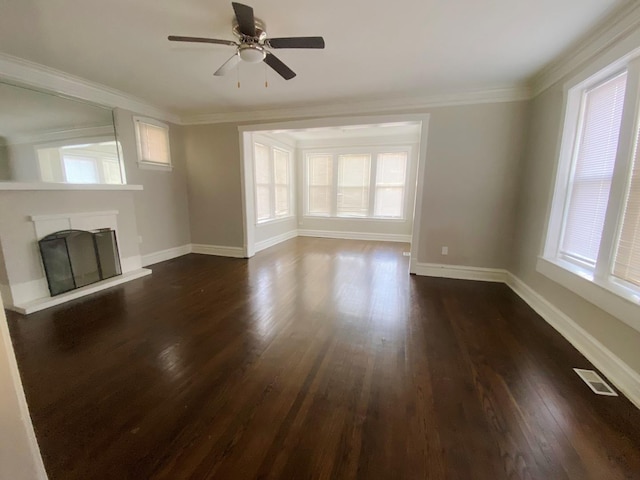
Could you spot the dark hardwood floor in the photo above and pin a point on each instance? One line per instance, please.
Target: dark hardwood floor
(315, 359)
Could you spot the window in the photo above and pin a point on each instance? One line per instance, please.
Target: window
(367, 184)
(390, 182)
(152, 139)
(94, 162)
(594, 227)
(272, 182)
(353, 185)
(320, 184)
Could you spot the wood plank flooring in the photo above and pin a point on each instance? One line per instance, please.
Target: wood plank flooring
(316, 359)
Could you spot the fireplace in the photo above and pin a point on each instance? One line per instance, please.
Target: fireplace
(75, 258)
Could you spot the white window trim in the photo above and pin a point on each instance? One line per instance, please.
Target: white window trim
(595, 285)
(373, 151)
(146, 164)
(272, 144)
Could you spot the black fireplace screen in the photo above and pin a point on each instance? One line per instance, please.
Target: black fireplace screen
(75, 258)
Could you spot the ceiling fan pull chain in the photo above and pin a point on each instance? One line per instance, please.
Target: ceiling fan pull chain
(238, 75)
(266, 83)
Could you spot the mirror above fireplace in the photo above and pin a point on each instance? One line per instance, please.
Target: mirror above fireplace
(47, 138)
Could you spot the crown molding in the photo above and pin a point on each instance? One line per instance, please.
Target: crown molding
(405, 105)
(23, 72)
(613, 29)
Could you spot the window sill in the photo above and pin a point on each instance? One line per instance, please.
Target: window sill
(17, 186)
(271, 221)
(357, 219)
(614, 299)
(154, 166)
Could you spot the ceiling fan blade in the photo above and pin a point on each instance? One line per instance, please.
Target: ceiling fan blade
(246, 21)
(228, 65)
(296, 42)
(275, 63)
(177, 38)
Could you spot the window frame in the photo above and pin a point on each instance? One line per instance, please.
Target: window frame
(598, 285)
(150, 164)
(373, 151)
(273, 145)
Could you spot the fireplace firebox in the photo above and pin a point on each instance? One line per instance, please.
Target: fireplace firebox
(75, 258)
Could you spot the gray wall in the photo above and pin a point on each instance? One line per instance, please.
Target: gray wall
(472, 161)
(473, 156)
(5, 168)
(214, 176)
(162, 208)
(536, 182)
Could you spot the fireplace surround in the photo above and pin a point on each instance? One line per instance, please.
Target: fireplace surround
(76, 258)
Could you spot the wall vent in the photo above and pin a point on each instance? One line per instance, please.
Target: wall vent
(595, 382)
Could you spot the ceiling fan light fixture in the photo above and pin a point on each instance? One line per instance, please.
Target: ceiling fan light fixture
(252, 53)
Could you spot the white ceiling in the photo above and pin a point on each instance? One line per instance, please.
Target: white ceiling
(375, 48)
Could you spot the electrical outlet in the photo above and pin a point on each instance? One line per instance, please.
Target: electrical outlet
(445, 250)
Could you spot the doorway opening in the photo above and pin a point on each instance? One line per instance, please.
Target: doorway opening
(350, 178)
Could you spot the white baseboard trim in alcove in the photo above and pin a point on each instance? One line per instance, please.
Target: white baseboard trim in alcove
(374, 237)
(270, 242)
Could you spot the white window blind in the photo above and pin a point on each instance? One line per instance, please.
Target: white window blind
(627, 261)
(262, 181)
(320, 184)
(281, 182)
(593, 170)
(353, 185)
(390, 183)
(153, 143)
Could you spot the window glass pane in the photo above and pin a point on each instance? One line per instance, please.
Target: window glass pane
(281, 166)
(320, 179)
(263, 202)
(282, 200)
(591, 180)
(261, 159)
(389, 202)
(112, 172)
(392, 168)
(80, 170)
(390, 183)
(353, 185)
(262, 181)
(154, 143)
(282, 183)
(627, 261)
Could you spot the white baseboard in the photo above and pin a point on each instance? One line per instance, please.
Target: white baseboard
(377, 237)
(220, 251)
(164, 255)
(459, 272)
(270, 242)
(617, 371)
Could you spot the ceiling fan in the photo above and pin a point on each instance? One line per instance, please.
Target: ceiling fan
(253, 45)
